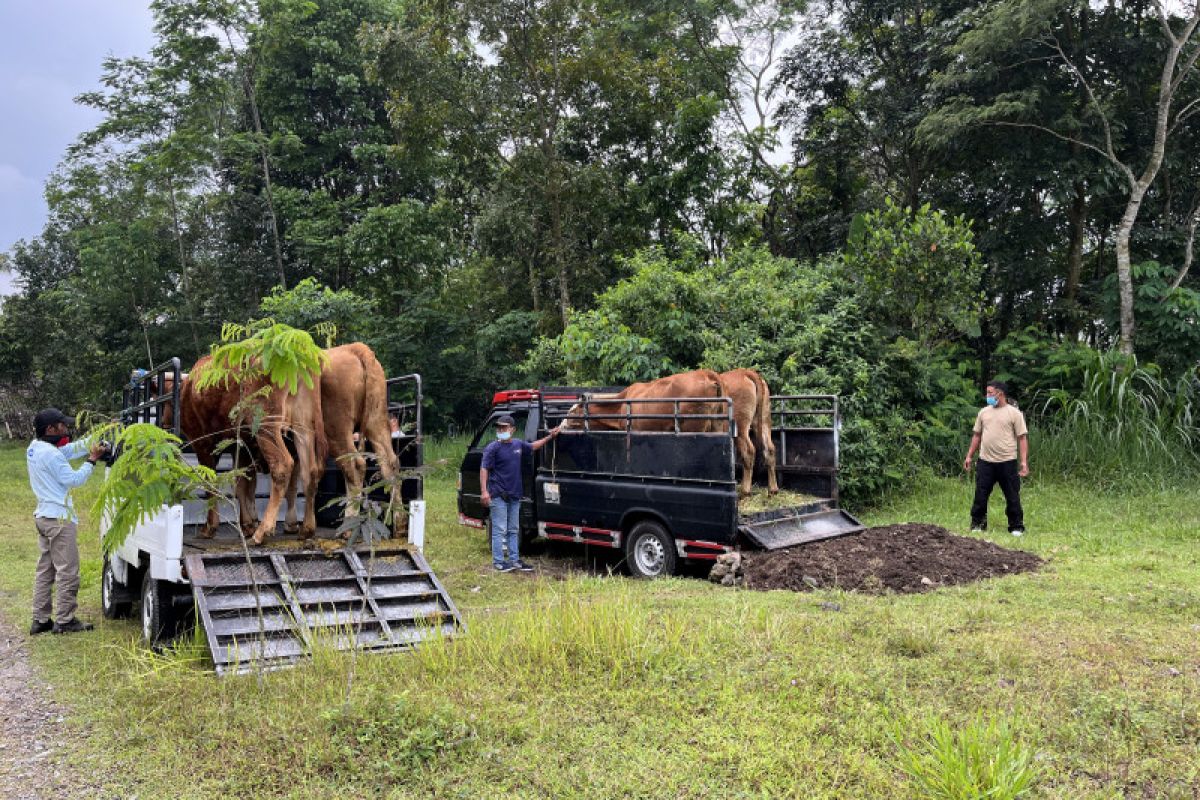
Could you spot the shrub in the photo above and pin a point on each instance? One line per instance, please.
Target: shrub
(983, 761)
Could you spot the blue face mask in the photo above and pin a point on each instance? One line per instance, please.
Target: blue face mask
(504, 436)
(991, 401)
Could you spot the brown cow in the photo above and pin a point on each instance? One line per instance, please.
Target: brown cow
(354, 398)
(697, 383)
(752, 415)
(218, 413)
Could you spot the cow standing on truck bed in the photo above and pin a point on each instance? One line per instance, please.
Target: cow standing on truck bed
(752, 416)
(694, 417)
(208, 417)
(354, 398)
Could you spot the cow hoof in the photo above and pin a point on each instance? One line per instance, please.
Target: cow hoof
(259, 538)
(207, 533)
(307, 533)
(295, 529)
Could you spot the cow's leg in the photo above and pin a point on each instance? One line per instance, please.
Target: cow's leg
(352, 465)
(280, 464)
(205, 458)
(745, 450)
(768, 450)
(308, 467)
(380, 438)
(246, 488)
(290, 523)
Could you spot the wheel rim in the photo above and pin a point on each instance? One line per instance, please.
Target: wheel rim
(149, 599)
(649, 555)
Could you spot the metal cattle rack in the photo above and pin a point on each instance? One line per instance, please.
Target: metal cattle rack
(560, 409)
(142, 399)
(270, 609)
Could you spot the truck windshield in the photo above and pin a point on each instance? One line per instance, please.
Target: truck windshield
(487, 433)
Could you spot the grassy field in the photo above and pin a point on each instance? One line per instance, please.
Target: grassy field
(595, 686)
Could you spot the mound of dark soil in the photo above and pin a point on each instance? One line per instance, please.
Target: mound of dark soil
(899, 558)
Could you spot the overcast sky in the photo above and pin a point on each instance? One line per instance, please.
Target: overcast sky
(50, 51)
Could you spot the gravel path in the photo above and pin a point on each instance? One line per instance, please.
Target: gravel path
(32, 730)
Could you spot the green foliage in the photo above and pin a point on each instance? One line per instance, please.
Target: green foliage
(308, 305)
(919, 270)
(388, 736)
(149, 473)
(1126, 425)
(1168, 319)
(280, 354)
(803, 326)
(985, 760)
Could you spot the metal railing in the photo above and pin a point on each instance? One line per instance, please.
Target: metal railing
(408, 411)
(787, 407)
(142, 399)
(584, 408)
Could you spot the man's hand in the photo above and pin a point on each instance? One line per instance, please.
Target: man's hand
(96, 451)
(486, 498)
(1024, 470)
(558, 429)
(967, 464)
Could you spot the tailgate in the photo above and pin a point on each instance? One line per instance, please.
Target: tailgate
(773, 530)
(269, 608)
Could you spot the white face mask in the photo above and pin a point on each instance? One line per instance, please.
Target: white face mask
(504, 436)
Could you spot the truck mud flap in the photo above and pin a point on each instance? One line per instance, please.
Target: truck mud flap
(774, 530)
(269, 610)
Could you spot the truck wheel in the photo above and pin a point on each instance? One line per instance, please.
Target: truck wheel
(115, 600)
(159, 622)
(650, 551)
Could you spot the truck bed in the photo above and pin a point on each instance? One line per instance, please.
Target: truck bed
(229, 539)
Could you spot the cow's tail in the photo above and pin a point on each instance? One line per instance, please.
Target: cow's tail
(762, 418)
(368, 361)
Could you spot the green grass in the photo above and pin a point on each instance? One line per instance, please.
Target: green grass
(1088, 672)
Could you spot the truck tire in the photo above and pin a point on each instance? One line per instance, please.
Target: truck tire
(159, 620)
(115, 599)
(650, 551)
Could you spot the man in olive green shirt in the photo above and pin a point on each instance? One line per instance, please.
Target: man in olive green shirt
(1002, 440)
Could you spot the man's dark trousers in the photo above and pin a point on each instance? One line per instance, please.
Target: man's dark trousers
(987, 475)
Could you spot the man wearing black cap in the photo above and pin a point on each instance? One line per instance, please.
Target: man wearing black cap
(51, 477)
(501, 481)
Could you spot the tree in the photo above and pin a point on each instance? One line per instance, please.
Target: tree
(1109, 124)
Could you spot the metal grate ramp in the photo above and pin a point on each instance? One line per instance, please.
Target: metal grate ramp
(774, 530)
(268, 609)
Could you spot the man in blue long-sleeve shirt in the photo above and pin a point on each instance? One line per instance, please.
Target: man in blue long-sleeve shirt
(52, 477)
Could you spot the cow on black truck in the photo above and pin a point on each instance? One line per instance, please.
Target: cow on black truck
(661, 497)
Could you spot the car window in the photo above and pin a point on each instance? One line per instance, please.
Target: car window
(487, 433)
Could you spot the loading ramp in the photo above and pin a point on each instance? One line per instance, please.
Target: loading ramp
(266, 609)
(787, 527)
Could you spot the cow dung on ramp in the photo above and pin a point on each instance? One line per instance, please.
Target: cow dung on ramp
(906, 558)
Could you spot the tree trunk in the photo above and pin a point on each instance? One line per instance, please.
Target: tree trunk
(184, 280)
(1077, 217)
(252, 99)
(1125, 269)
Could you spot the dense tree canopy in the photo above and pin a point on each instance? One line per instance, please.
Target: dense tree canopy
(465, 184)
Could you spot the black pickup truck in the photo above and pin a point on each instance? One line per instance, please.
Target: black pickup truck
(661, 497)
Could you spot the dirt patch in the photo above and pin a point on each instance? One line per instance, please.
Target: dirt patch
(899, 558)
(33, 732)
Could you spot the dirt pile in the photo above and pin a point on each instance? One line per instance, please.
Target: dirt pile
(899, 558)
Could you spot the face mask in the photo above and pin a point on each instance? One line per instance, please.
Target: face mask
(58, 440)
(991, 401)
(504, 436)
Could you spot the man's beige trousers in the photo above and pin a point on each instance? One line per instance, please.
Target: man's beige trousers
(59, 563)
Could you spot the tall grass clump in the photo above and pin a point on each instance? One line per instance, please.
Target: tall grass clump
(983, 761)
(1127, 425)
(562, 633)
